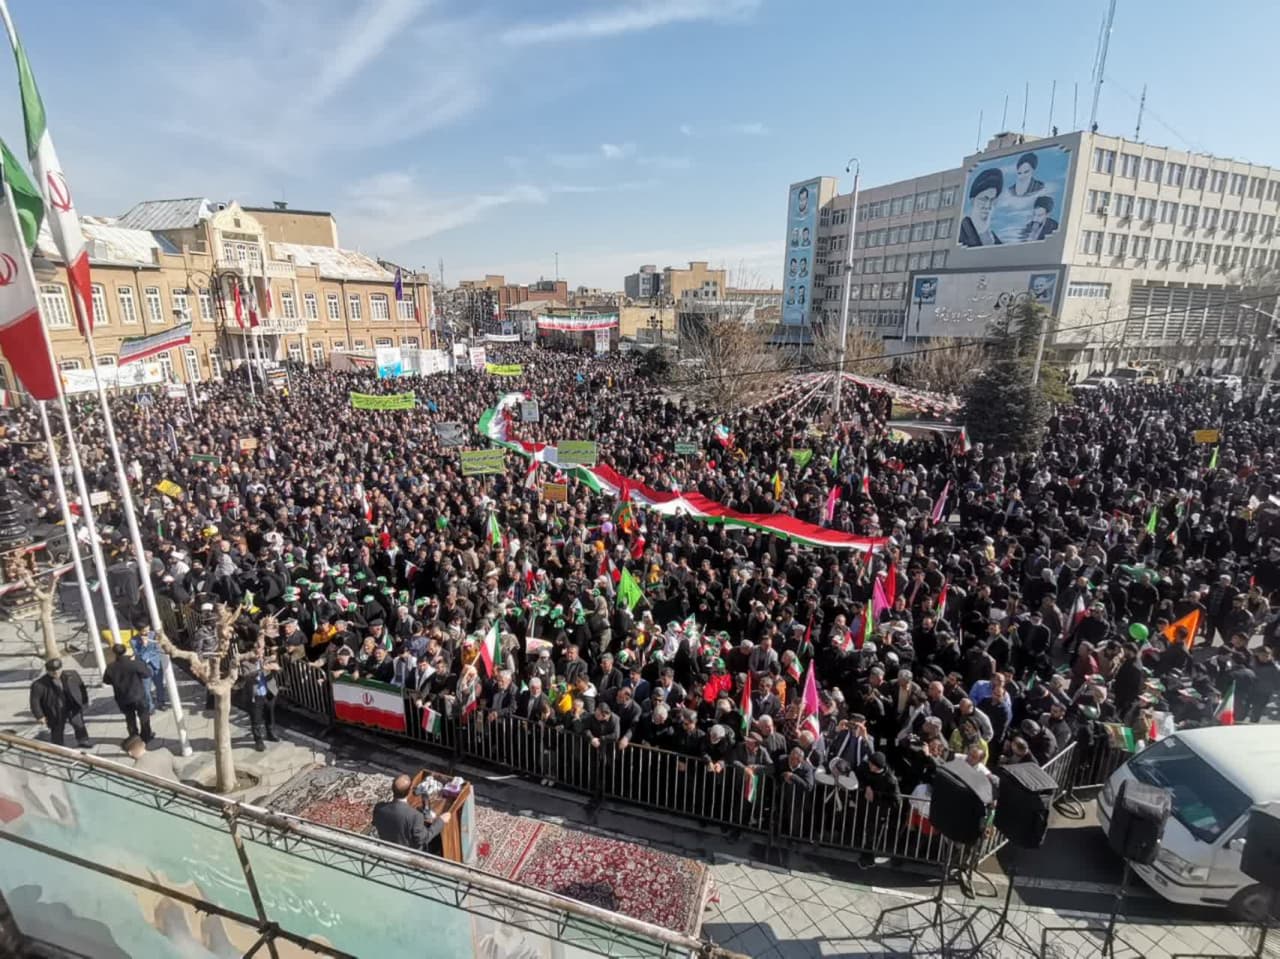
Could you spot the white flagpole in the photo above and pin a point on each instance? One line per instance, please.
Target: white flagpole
(68, 521)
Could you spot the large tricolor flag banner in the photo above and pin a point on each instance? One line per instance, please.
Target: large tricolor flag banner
(367, 703)
(63, 222)
(135, 348)
(22, 335)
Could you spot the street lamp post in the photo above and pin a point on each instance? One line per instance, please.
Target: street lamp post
(1266, 340)
(855, 166)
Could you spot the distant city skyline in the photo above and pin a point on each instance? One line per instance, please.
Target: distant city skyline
(615, 133)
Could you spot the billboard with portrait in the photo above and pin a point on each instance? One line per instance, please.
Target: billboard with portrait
(963, 303)
(1015, 199)
(797, 266)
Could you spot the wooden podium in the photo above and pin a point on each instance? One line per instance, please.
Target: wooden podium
(459, 835)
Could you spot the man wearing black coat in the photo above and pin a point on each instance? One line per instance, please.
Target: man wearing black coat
(398, 822)
(57, 698)
(1129, 681)
(127, 678)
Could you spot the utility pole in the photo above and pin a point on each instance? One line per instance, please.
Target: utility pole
(855, 166)
(1142, 103)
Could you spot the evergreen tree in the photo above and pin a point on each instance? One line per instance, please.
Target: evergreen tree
(1003, 409)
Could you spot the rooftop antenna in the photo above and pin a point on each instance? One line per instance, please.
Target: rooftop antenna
(442, 272)
(1053, 97)
(977, 147)
(1004, 117)
(1026, 98)
(1100, 68)
(1075, 105)
(1142, 103)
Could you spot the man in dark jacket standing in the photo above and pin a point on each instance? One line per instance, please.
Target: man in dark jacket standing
(57, 698)
(127, 678)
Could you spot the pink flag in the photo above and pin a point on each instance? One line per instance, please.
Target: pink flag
(879, 601)
(833, 497)
(809, 703)
(941, 504)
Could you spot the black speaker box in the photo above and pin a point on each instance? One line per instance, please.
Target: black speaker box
(958, 805)
(1138, 820)
(123, 583)
(1026, 799)
(1260, 859)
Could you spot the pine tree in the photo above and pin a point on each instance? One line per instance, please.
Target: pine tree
(1003, 409)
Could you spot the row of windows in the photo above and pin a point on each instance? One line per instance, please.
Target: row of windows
(1188, 215)
(1091, 291)
(902, 262)
(914, 233)
(878, 291)
(910, 203)
(1096, 243)
(191, 359)
(58, 313)
(1168, 173)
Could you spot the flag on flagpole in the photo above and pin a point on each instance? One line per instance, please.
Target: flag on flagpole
(1153, 521)
(746, 708)
(1076, 614)
(27, 202)
(23, 339)
(777, 485)
(64, 225)
(801, 457)
(399, 285)
(866, 482)
(890, 583)
(879, 601)
(1190, 622)
(939, 506)
(809, 703)
(495, 531)
(1213, 460)
(135, 348)
(963, 444)
(531, 473)
(1226, 714)
(942, 599)
(868, 628)
(491, 651)
(833, 497)
(239, 305)
(835, 460)
(751, 786)
(629, 591)
(432, 721)
(723, 435)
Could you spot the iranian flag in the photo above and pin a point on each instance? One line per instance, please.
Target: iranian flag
(866, 481)
(63, 222)
(23, 340)
(752, 785)
(491, 651)
(809, 703)
(432, 721)
(1226, 714)
(747, 709)
(367, 703)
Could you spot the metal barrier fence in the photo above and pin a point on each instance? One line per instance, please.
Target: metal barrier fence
(725, 794)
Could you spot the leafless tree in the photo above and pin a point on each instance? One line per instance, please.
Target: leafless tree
(726, 362)
(863, 351)
(45, 597)
(948, 366)
(218, 669)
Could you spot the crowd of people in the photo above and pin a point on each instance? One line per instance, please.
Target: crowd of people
(1047, 601)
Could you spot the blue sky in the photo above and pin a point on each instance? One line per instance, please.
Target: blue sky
(614, 132)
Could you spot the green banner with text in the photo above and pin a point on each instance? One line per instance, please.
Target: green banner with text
(396, 401)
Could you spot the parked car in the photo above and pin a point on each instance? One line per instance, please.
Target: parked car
(1216, 775)
(1134, 374)
(1094, 382)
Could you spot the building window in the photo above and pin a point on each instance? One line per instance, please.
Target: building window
(1098, 201)
(1174, 173)
(1145, 209)
(191, 360)
(1211, 218)
(317, 353)
(872, 265)
(358, 345)
(70, 365)
(939, 259)
(1129, 165)
(1257, 186)
(310, 308)
(165, 360)
(1092, 291)
(409, 342)
(1168, 212)
(1238, 182)
(339, 344)
(155, 308)
(1118, 244)
(53, 303)
(1190, 216)
(1152, 170)
(335, 308)
(382, 342)
(378, 308)
(181, 306)
(1162, 249)
(1230, 220)
(1249, 224)
(1267, 226)
(1141, 247)
(1217, 181)
(1182, 252)
(288, 306)
(1104, 161)
(405, 308)
(1124, 204)
(943, 230)
(1091, 242)
(295, 351)
(99, 295)
(948, 197)
(206, 306)
(128, 310)
(1197, 178)
(1203, 252)
(106, 360)
(1273, 191)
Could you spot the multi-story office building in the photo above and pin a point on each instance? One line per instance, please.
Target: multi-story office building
(1140, 252)
(644, 284)
(167, 262)
(491, 297)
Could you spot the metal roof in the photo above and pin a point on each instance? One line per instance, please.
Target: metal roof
(331, 262)
(108, 242)
(169, 214)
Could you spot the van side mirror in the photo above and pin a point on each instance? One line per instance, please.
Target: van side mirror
(1237, 844)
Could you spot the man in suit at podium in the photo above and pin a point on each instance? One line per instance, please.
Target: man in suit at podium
(398, 822)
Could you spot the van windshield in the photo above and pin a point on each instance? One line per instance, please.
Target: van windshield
(1203, 800)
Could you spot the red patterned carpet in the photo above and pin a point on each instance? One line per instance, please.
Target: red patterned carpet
(624, 877)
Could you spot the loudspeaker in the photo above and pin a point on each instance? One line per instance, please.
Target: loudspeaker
(1260, 859)
(123, 583)
(1138, 820)
(958, 805)
(1026, 798)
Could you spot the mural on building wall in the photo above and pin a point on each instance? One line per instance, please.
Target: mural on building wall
(1015, 199)
(798, 265)
(963, 303)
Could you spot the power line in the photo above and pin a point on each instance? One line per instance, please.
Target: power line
(832, 366)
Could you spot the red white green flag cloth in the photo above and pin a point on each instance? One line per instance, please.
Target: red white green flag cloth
(1226, 714)
(432, 721)
(23, 340)
(747, 709)
(367, 703)
(135, 348)
(752, 785)
(491, 651)
(64, 225)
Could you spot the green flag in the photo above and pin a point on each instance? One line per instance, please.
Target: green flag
(835, 459)
(27, 201)
(1153, 521)
(801, 458)
(629, 591)
(1213, 460)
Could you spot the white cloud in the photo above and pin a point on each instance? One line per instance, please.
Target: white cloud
(755, 129)
(626, 186)
(633, 17)
(686, 129)
(616, 151)
(666, 162)
(390, 209)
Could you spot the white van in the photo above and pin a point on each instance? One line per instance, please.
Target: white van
(1216, 774)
